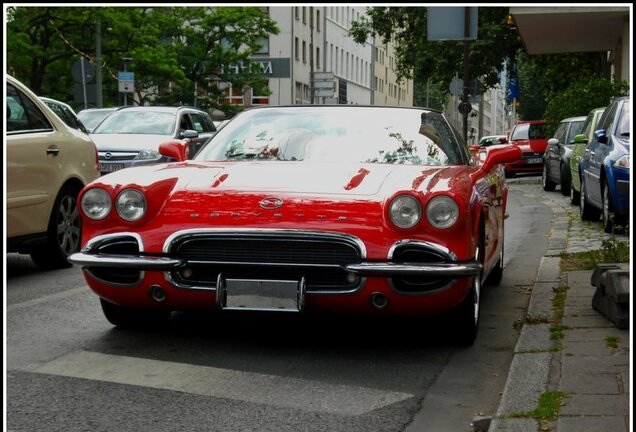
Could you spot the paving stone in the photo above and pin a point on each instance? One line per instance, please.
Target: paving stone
(591, 384)
(527, 380)
(534, 337)
(514, 425)
(592, 424)
(586, 321)
(589, 348)
(591, 405)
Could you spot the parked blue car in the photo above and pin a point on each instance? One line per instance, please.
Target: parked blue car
(605, 168)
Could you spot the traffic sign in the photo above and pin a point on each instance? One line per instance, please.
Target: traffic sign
(126, 82)
(83, 71)
(456, 86)
(464, 108)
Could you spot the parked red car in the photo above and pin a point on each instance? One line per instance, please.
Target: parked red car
(530, 137)
(305, 208)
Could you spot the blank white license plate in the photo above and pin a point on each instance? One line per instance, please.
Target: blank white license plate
(262, 295)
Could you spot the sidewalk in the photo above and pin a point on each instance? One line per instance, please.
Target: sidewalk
(590, 363)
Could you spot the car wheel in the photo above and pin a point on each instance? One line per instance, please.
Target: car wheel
(465, 317)
(575, 196)
(587, 212)
(548, 185)
(121, 316)
(608, 210)
(565, 180)
(63, 234)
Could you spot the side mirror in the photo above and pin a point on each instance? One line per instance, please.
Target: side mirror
(189, 134)
(500, 154)
(553, 142)
(503, 140)
(601, 136)
(580, 139)
(177, 150)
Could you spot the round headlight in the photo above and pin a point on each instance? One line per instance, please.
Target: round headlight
(405, 211)
(442, 212)
(131, 204)
(96, 204)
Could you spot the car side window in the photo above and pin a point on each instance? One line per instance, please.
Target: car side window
(575, 129)
(197, 123)
(22, 114)
(560, 133)
(184, 123)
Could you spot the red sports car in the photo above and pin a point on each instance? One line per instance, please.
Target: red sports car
(304, 208)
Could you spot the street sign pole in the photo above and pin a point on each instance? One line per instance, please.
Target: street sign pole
(84, 83)
(466, 70)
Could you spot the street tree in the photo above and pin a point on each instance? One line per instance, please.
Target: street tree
(421, 59)
(171, 48)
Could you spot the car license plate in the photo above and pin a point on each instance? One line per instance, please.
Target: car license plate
(261, 295)
(534, 161)
(110, 167)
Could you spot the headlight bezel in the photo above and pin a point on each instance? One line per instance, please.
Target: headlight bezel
(122, 204)
(442, 212)
(404, 201)
(107, 203)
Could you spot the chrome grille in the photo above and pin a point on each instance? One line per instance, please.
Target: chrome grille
(319, 259)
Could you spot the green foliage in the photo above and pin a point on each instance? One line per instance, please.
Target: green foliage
(582, 96)
(421, 59)
(172, 49)
(430, 95)
(557, 86)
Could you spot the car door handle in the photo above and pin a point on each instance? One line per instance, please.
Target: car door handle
(53, 151)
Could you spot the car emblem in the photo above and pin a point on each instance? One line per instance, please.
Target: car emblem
(108, 155)
(271, 203)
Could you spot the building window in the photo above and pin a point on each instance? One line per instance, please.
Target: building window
(304, 52)
(296, 13)
(263, 45)
(296, 49)
(260, 100)
(318, 57)
(233, 96)
(318, 20)
(304, 15)
(299, 93)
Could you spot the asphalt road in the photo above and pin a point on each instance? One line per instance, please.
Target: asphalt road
(68, 369)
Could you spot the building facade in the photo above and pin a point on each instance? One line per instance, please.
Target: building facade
(314, 60)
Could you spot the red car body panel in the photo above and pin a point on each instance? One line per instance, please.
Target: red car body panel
(321, 198)
(205, 220)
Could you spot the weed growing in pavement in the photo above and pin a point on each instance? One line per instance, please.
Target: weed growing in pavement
(548, 407)
(612, 341)
(556, 331)
(558, 301)
(612, 251)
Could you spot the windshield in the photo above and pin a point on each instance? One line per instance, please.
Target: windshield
(138, 122)
(355, 134)
(623, 123)
(91, 118)
(525, 131)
